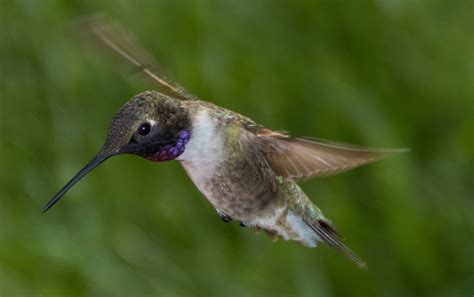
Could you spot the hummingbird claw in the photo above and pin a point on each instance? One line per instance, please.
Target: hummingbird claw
(242, 225)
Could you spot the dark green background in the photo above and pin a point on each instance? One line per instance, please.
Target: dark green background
(380, 73)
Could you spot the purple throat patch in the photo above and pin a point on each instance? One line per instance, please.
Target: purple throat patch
(171, 151)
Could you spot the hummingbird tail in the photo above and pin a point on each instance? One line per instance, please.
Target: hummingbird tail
(327, 234)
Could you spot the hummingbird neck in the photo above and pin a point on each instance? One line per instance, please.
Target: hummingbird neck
(171, 151)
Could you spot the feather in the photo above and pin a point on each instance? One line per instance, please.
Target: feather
(327, 234)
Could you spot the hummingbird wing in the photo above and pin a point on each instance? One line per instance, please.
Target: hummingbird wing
(302, 158)
(124, 44)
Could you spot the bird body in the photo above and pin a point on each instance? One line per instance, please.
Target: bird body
(225, 163)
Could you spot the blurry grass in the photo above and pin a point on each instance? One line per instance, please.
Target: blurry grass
(382, 73)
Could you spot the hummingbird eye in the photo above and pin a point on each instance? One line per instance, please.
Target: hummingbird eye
(144, 129)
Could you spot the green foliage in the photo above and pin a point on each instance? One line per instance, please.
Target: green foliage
(381, 73)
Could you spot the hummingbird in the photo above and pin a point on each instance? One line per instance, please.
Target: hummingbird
(249, 173)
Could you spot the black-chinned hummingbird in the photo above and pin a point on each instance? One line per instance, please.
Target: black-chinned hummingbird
(247, 172)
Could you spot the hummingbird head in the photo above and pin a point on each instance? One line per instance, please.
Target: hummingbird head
(151, 125)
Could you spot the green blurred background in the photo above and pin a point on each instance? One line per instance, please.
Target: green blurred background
(380, 73)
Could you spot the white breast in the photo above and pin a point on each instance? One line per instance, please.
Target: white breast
(204, 150)
(204, 143)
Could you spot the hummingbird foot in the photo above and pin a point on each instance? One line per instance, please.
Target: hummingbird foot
(224, 217)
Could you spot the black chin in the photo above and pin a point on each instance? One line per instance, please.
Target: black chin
(146, 148)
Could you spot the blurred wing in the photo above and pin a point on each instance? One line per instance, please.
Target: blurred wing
(301, 158)
(123, 43)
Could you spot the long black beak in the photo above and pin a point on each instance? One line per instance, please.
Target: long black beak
(88, 168)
